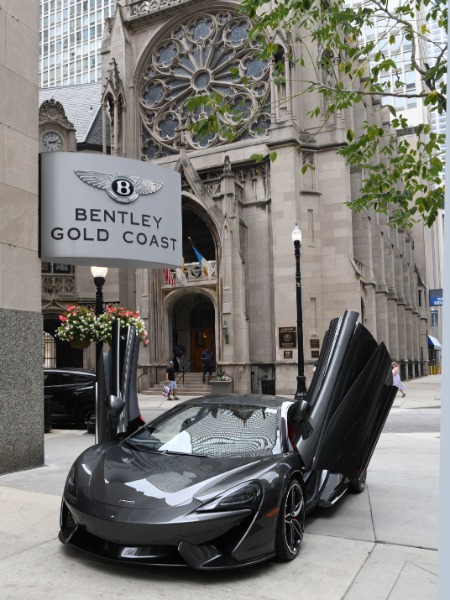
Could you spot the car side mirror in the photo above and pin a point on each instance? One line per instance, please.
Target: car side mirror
(114, 404)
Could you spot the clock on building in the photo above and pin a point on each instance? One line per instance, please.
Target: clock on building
(52, 141)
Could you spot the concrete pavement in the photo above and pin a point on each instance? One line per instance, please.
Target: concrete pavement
(378, 545)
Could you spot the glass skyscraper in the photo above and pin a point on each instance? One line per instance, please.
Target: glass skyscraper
(70, 40)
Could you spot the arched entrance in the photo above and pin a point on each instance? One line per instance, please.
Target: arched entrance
(193, 324)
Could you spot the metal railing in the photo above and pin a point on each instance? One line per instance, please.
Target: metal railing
(192, 274)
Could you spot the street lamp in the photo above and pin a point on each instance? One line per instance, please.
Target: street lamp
(301, 379)
(99, 275)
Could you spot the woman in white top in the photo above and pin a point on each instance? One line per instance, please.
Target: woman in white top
(397, 381)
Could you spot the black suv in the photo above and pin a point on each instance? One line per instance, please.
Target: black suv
(72, 393)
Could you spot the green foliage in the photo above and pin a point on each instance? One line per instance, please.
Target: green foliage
(401, 180)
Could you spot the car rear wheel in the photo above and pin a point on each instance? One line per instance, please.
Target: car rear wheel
(82, 414)
(291, 522)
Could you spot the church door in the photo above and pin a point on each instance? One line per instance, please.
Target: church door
(200, 340)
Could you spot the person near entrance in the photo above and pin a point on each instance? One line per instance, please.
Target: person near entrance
(171, 382)
(178, 355)
(207, 364)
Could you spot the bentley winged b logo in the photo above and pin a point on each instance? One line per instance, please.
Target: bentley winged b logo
(121, 188)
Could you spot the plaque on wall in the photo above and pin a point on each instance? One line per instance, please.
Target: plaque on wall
(314, 343)
(287, 354)
(287, 337)
(315, 353)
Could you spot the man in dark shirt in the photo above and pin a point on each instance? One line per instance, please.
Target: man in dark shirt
(178, 355)
(207, 364)
(171, 382)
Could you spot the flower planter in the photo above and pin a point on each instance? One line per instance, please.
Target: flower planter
(80, 344)
(221, 387)
(84, 322)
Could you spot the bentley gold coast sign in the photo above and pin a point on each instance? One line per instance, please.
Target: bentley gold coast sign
(109, 211)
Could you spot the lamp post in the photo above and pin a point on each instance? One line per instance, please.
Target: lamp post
(99, 275)
(301, 379)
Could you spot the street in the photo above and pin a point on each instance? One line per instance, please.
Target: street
(410, 421)
(378, 545)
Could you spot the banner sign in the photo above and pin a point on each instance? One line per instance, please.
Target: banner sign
(436, 297)
(103, 210)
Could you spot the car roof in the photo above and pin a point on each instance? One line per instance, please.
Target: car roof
(70, 370)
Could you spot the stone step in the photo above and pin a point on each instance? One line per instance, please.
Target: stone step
(192, 386)
(201, 390)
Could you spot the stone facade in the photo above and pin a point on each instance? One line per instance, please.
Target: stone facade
(157, 54)
(21, 390)
(241, 213)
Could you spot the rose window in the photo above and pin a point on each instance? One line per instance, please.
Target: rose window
(208, 55)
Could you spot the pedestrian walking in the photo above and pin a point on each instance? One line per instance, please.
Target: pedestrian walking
(178, 354)
(176, 364)
(207, 364)
(171, 381)
(397, 381)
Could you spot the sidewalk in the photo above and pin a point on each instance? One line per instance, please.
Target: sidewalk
(421, 393)
(378, 545)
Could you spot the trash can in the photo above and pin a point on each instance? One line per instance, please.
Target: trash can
(268, 386)
(47, 413)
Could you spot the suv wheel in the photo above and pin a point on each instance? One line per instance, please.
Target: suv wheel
(83, 414)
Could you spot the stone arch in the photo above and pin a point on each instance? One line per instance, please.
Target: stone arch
(191, 203)
(191, 299)
(196, 218)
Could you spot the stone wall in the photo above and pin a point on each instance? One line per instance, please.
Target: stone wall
(21, 390)
(21, 342)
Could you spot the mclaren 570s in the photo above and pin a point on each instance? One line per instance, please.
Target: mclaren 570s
(220, 482)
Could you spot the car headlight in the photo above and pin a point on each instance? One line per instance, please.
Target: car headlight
(247, 495)
(71, 481)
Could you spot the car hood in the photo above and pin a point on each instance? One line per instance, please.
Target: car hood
(131, 478)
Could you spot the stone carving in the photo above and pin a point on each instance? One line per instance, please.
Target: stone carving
(52, 111)
(147, 6)
(54, 286)
(193, 274)
(308, 158)
(209, 54)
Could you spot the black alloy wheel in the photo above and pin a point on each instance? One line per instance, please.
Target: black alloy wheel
(291, 522)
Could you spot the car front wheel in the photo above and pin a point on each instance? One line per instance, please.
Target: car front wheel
(291, 522)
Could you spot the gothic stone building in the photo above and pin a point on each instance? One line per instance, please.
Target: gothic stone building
(240, 214)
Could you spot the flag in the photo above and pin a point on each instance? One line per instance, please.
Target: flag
(169, 278)
(204, 264)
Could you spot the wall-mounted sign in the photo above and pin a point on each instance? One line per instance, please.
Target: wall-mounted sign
(287, 337)
(287, 354)
(314, 343)
(434, 318)
(315, 353)
(109, 211)
(436, 298)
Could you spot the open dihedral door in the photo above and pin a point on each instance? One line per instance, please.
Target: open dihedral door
(349, 400)
(117, 406)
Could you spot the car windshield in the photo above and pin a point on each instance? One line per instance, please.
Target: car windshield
(213, 430)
